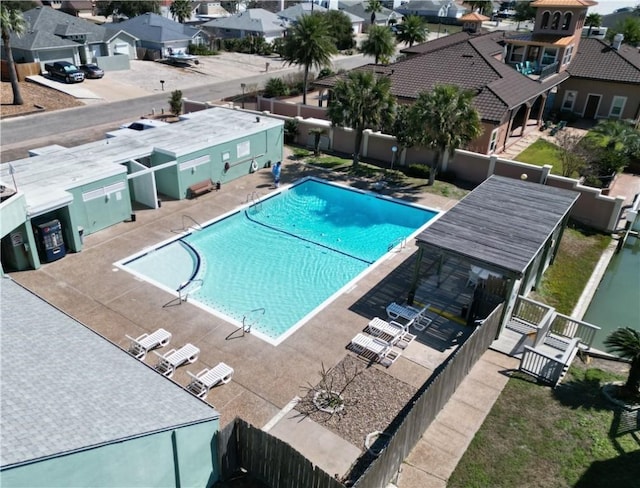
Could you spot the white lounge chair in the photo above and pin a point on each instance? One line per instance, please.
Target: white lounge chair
(373, 348)
(170, 361)
(378, 327)
(142, 345)
(206, 379)
(422, 323)
(406, 312)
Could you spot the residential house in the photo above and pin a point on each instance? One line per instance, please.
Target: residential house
(157, 33)
(211, 10)
(444, 11)
(292, 14)
(514, 74)
(359, 9)
(256, 22)
(79, 411)
(78, 8)
(56, 36)
(604, 82)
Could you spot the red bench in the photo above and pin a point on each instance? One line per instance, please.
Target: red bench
(200, 188)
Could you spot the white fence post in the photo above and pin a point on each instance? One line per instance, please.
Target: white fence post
(492, 165)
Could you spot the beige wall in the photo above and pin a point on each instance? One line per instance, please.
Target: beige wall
(607, 89)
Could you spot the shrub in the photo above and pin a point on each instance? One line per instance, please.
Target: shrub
(592, 181)
(290, 130)
(418, 171)
(200, 50)
(275, 87)
(324, 72)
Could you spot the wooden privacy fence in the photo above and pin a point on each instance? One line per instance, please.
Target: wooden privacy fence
(267, 458)
(429, 400)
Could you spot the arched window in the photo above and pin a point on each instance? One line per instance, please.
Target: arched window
(566, 21)
(555, 23)
(545, 20)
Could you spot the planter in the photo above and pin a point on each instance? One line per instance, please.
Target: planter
(329, 402)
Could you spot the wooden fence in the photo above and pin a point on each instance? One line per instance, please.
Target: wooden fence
(276, 463)
(428, 401)
(267, 458)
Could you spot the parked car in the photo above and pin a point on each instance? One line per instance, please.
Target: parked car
(91, 71)
(64, 70)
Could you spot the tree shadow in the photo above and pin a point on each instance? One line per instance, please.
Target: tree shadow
(620, 471)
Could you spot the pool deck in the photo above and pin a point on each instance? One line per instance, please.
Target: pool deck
(112, 302)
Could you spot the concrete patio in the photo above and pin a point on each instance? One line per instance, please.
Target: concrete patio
(113, 303)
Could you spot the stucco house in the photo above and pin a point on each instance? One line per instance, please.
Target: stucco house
(157, 33)
(433, 9)
(359, 9)
(255, 22)
(53, 35)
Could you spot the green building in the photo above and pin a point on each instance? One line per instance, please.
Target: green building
(93, 186)
(77, 410)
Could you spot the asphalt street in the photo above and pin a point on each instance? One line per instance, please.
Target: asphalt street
(79, 125)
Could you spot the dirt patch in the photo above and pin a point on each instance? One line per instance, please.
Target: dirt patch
(36, 98)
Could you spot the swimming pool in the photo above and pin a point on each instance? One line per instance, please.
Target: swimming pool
(276, 262)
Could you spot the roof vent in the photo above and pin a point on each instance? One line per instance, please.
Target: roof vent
(617, 41)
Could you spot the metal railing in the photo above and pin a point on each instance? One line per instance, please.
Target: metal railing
(399, 243)
(184, 288)
(548, 70)
(190, 218)
(246, 326)
(255, 199)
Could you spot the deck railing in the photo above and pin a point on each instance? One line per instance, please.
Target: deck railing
(565, 326)
(545, 367)
(531, 316)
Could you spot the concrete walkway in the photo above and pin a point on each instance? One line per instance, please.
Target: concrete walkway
(435, 457)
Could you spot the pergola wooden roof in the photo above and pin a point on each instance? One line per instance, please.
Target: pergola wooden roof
(502, 224)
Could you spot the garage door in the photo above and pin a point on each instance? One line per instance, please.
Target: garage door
(121, 48)
(55, 55)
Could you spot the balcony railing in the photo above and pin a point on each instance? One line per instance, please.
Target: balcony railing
(548, 70)
(571, 328)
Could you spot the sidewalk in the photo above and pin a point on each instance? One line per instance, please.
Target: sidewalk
(437, 453)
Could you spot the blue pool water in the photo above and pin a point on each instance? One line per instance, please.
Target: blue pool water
(278, 261)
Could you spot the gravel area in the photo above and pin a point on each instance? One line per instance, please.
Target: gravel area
(372, 400)
(34, 96)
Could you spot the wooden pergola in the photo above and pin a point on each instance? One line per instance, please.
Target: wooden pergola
(509, 227)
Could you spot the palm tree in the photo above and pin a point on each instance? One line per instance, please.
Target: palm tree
(181, 10)
(374, 6)
(625, 342)
(12, 21)
(444, 120)
(309, 44)
(361, 101)
(484, 7)
(412, 30)
(593, 20)
(380, 43)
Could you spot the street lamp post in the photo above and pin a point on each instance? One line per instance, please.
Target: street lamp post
(394, 150)
(243, 86)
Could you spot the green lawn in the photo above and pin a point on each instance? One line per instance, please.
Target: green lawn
(536, 436)
(565, 280)
(540, 153)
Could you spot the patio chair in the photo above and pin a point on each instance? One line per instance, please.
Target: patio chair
(393, 330)
(206, 379)
(169, 362)
(422, 323)
(406, 312)
(373, 348)
(140, 346)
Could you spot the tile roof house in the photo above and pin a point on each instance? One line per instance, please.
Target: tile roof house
(76, 410)
(255, 22)
(513, 75)
(158, 33)
(53, 35)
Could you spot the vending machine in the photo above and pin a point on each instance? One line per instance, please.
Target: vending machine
(50, 241)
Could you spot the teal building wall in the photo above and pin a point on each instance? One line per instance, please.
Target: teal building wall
(183, 457)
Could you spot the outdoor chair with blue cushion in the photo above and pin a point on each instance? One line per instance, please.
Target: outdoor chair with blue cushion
(206, 379)
(173, 359)
(143, 344)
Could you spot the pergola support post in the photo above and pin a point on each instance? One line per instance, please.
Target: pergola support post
(416, 277)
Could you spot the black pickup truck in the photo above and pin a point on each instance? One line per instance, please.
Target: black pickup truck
(65, 70)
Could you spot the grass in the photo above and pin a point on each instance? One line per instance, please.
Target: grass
(395, 178)
(538, 436)
(540, 153)
(564, 282)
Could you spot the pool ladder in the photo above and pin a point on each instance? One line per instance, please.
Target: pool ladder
(400, 241)
(185, 286)
(185, 220)
(246, 327)
(254, 198)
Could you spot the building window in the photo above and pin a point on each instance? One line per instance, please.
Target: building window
(493, 143)
(549, 56)
(568, 53)
(555, 23)
(569, 100)
(544, 24)
(566, 21)
(517, 54)
(617, 106)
